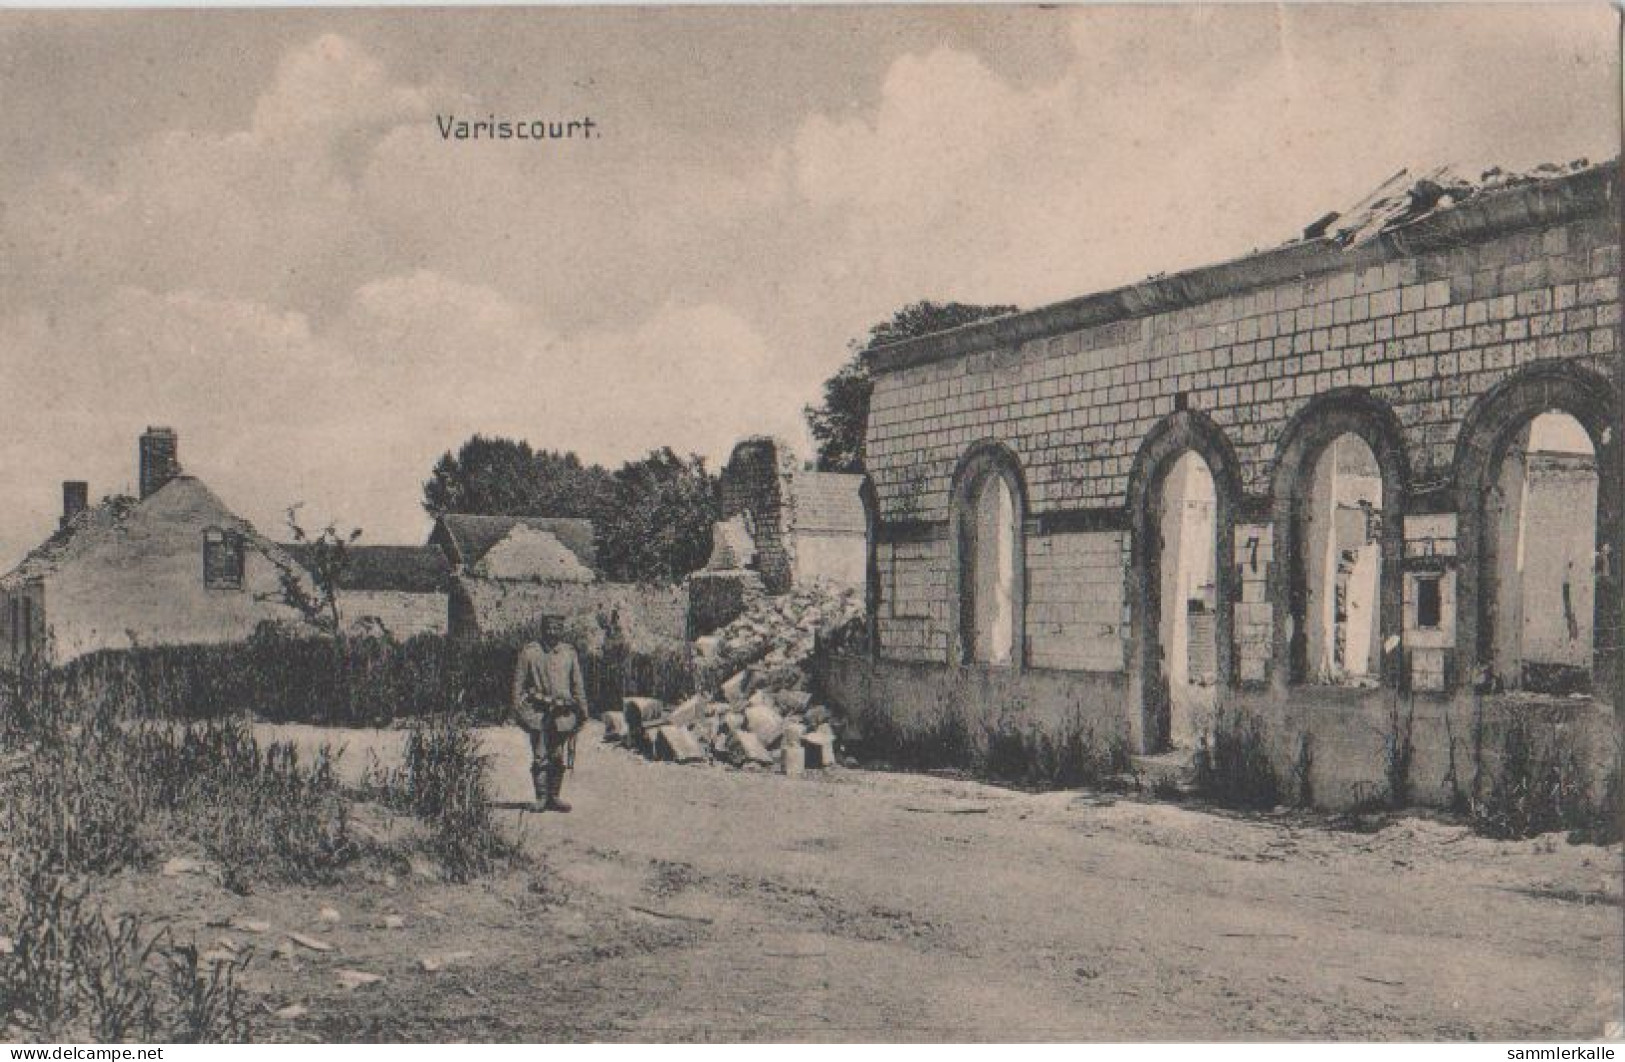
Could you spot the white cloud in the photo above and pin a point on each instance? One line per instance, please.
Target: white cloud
(321, 295)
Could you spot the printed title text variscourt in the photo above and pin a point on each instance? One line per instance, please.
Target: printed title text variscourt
(492, 127)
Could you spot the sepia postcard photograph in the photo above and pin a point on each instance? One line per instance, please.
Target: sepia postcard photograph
(901, 524)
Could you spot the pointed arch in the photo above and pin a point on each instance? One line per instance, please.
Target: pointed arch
(988, 465)
(1486, 433)
(1181, 432)
(1324, 419)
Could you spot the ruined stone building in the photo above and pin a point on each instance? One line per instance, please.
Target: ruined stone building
(784, 526)
(508, 571)
(173, 566)
(804, 526)
(1381, 461)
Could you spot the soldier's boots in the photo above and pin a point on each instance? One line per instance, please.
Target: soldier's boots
(555, 785)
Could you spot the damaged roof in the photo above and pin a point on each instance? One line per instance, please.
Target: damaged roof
(468, 537)
(404, 569)
(107, 515)
(1407, 215)
(1407, 197)
(183, 497)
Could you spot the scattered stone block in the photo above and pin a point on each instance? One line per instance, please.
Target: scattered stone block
(688, 713)
(312, 943)
(436, 963)
(679, 744)
(792, 700)
(350, 980)
(614, 726)
(765, 722)
(818, 750)
(744, 746)
(737, 688)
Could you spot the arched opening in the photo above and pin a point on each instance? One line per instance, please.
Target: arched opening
(989, 507)
(1531, 491)
(1341, 535)
(1541, 525)
(1339, 496)
(1184, 495)
(990, 605)
(1188, 596)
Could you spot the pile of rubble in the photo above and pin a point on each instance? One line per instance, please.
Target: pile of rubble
(755, 705)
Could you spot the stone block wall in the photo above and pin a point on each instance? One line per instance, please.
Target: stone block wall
(1431, 342)
(1427, 335)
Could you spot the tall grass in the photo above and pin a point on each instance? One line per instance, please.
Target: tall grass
(1006, 743)
(444, 780)
(73, 974)
(112, 794)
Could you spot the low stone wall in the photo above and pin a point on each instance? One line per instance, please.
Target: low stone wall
(1453, 740)
(914, 697)
(490, 606)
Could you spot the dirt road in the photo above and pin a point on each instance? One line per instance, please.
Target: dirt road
(699, 903)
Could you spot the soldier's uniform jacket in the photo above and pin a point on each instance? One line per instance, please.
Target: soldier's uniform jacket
(543, 675)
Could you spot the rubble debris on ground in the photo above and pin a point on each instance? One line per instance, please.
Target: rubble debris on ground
(755, 706)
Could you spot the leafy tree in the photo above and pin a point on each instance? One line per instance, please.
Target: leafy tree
(654, 523)
(496, 476)
(838, 425)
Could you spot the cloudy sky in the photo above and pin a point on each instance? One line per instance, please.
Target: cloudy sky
(246, 225)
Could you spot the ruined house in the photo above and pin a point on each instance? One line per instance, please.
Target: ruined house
(396, 591)
(508, 571)
(805, 526)
(1378, 465)
(173, 566)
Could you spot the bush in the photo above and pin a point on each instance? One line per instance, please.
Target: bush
(349, 681)
(1232, 762)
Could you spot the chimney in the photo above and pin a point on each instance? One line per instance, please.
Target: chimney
(75, 498)
(160, 461)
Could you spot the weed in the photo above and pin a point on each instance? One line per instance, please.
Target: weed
(1543, 782)
(444, 780)
(1398, 753)
(1232, 762)
(1303, 770)
(209, 1006)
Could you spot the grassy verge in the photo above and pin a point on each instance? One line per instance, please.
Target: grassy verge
(87, 792)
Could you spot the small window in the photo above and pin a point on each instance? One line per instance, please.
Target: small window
(1428, 603)
(222, 560)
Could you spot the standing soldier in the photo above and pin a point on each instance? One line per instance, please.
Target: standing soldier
(550, 705)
